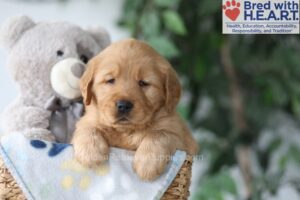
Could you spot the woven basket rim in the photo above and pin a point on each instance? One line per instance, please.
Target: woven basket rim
(179, 188)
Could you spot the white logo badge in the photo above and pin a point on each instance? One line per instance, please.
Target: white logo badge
(260, 16)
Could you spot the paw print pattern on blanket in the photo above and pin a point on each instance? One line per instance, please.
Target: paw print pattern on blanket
(55, 149)
(72, 167)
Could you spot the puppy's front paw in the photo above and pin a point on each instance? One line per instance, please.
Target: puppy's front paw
(90, 150)
(149, 165)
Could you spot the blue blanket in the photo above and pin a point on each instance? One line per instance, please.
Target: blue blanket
(46, 170)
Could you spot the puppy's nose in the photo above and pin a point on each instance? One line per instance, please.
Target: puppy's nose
(77, 70)
(124, 106)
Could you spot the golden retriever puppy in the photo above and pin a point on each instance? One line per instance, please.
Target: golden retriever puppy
(131, 93)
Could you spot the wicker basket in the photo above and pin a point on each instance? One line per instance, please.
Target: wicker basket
(179, 189)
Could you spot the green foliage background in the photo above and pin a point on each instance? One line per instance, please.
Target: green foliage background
(266, 74)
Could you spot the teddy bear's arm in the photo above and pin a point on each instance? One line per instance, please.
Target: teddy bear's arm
(33, 122)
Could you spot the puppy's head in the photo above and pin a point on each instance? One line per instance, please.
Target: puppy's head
(129, 82)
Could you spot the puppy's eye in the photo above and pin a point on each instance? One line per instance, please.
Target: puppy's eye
(84, 58)
(59, 53)
(143, 83)
(111, 81)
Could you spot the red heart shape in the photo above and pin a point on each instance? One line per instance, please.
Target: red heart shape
(232, 13)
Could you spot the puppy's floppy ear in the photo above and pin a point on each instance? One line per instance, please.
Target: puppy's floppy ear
(173, 90)
(86, 83)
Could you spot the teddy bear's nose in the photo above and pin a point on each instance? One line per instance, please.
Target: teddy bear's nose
(77, 70)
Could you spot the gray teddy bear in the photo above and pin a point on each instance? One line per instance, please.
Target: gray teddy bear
(47, 60)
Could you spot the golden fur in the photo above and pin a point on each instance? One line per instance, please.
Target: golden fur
(153, 128)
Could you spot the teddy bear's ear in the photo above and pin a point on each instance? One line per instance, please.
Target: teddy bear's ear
(13, 29)
(100, 35)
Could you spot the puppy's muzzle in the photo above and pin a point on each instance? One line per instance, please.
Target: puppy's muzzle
(124, 106)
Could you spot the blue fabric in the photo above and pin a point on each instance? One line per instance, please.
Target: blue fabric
(47, 171)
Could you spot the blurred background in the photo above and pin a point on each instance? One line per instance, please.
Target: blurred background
(241, 92)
